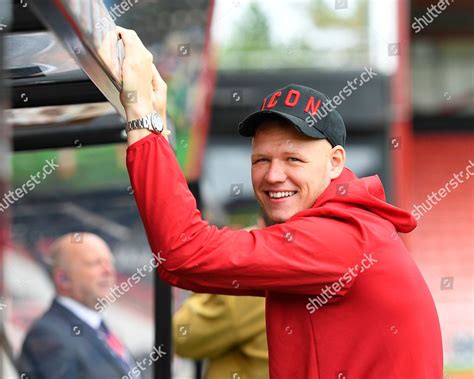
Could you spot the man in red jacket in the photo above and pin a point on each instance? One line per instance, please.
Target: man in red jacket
(344, 299)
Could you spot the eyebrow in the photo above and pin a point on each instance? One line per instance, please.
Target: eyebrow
(288, 153)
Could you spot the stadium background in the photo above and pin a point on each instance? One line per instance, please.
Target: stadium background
(412, 124)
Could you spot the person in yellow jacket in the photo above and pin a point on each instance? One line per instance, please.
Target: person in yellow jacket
(227, 331)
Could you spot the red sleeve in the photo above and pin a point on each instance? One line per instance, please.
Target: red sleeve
(203, 258)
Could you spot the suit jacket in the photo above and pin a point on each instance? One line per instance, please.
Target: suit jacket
(60, 345)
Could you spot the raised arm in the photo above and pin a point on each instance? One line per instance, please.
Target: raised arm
(204, 258)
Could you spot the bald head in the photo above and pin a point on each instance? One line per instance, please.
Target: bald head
(82, 267)
(71, 246)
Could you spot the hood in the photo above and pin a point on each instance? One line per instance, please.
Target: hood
(365, 193)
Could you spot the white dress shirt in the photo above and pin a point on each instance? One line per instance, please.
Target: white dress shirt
(86, 314)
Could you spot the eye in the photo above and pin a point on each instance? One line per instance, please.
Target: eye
(294, 159)
(95, 263)
(260, 160)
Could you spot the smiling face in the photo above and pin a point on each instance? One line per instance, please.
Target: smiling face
(291, 170)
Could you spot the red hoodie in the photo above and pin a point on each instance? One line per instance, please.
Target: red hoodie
(344, 299)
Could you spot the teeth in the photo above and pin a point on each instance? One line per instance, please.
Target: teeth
(277, 195)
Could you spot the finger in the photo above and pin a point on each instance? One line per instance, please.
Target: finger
(125, 33)
(130, 38)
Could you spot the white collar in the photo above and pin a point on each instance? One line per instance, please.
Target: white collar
(86, 314)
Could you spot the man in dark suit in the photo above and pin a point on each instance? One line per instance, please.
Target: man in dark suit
(71, 341)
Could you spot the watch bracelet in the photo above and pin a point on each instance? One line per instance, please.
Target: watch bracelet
(141, 123)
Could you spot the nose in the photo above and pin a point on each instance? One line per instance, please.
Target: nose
(107, 267)
(276, 172)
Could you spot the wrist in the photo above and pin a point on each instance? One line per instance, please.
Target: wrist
(136, 135)
(138, 112)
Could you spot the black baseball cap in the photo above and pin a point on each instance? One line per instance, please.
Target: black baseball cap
(309, 111)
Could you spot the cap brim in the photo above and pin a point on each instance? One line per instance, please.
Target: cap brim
(250, 124)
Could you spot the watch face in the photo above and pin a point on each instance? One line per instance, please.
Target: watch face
(157, 122)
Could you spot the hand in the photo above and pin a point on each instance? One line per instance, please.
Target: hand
(143, 88)
(137, 73)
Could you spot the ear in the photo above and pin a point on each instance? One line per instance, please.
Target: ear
(61, 279)
(337, 160)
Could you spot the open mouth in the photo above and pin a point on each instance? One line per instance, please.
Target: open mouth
(277, 195)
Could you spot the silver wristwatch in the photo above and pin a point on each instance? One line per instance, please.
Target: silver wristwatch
(151, 121)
